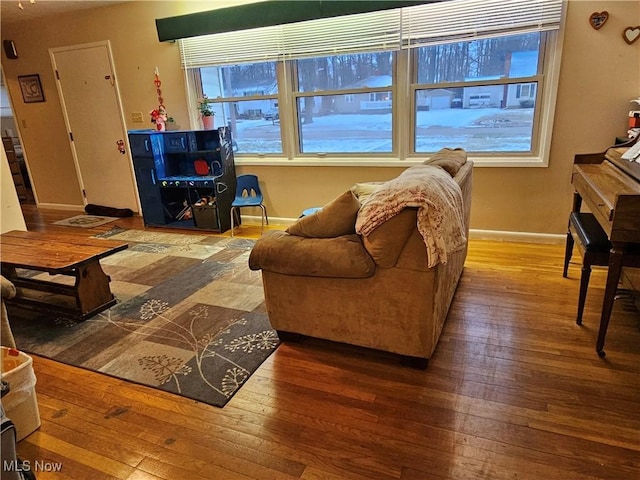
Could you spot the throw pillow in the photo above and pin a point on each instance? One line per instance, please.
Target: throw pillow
(362, 191)
(336, 218)
(451, 159)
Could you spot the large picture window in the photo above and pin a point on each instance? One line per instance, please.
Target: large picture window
(472, 95)
(451, 78)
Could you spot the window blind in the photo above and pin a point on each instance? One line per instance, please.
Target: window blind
(244, 46)
(461, 20)
(407, 27)
(366, 32)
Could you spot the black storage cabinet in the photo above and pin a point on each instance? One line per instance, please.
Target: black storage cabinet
(172, 193)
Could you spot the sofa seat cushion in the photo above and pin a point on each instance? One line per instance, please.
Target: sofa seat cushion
(336, 218)
(342, 257)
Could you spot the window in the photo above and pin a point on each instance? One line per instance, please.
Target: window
(398, 85)
(350, 109)
(494, 112)
(245, 98)
(524, 91)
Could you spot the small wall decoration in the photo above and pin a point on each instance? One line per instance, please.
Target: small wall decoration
(121, 149)
(631, 34)
(598, 19)
(31, 88)
(159, 115)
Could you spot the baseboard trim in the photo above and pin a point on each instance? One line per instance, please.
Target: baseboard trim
(525, 237)
(58, 206)
(257, 219)
(474, 233)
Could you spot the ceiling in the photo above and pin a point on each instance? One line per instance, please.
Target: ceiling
(11, 13)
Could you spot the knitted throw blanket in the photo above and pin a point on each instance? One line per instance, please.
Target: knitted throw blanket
(440, 212)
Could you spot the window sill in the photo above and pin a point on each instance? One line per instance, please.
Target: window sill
(479, 161)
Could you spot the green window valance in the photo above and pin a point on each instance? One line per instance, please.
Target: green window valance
(268, 13)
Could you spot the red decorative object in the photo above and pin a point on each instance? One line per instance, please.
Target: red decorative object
(201, 166)
(159, 115)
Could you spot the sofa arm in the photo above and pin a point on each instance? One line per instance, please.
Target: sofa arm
(341, 257)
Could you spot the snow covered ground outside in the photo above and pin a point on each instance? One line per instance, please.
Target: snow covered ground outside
(479, 130)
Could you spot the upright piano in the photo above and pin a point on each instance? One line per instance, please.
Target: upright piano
(610, 188)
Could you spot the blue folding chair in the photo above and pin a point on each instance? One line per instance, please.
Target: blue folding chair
(248, 194)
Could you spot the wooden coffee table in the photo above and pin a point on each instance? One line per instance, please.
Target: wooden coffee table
(58, 254)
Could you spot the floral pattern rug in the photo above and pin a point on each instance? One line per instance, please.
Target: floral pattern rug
(190, 317)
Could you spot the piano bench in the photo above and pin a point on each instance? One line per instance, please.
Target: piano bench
(594, 245)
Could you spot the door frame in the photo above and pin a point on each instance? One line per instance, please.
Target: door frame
(76, 163)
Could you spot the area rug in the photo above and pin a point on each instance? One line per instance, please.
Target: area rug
(85, 221)
(190, 317)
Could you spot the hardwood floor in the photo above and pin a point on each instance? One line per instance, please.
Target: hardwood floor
(514, 390)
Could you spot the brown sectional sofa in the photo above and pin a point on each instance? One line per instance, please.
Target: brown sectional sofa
(322, 279)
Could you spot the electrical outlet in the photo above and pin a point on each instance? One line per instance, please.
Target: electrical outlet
(136, 117)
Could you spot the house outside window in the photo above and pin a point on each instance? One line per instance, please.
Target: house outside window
(486, 75)
(245, 98)
(492, 95)
(350, 102)
(526, 91)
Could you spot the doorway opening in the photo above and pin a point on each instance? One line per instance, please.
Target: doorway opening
(13, 147)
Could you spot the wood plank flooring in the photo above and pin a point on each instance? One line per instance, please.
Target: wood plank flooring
(514, 390)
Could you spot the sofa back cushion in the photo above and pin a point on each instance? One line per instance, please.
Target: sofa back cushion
(451, 159)
(398, 237)
(336, 218)
(414, 254)
(386, 242)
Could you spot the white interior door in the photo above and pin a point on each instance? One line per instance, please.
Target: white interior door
(90, 99)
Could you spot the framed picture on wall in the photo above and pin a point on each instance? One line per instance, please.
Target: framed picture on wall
(31, 88)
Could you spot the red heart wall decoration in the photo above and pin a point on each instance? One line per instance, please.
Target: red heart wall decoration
(598, 19)
(631, 34)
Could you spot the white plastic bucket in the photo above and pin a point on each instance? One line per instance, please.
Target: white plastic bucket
(20, 404)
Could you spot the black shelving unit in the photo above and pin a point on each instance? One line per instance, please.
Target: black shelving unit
(172, 193)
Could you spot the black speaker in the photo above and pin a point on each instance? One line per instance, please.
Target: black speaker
(10, 49)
